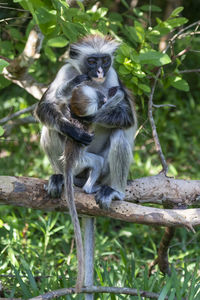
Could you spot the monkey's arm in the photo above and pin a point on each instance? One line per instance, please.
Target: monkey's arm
(48, 110)
(117, 112)
(52, 117)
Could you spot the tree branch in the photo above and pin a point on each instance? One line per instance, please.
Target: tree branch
(98, 289)
(18, 68)
(30, 192)
(12, 124)
(17, 114)
(153, 125)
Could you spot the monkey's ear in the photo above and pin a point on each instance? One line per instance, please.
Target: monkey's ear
(73, 52)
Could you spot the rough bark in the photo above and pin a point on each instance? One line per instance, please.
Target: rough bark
(30, 192)
(98, 289)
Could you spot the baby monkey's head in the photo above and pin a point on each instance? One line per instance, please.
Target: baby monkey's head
(86, 100)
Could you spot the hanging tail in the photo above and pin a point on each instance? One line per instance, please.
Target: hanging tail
(71, 157)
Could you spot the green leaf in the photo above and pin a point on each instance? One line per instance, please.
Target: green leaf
(50, 54)
(23, 286)
(144, 87)
(45, 16)
(124, 71)
(165, 289)
(1, 133)
(154, 58)
(176, 12)
(58, 42)
(125, 4)
(179, 83)
(172, 23)
(30, 275)
(3, 64)
(132, 33)
(139, 31)
(153, 8)
(115, 17)
(102, 11)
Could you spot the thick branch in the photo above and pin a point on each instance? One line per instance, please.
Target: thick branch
(98, 289)
(29, 192)
(18, 68)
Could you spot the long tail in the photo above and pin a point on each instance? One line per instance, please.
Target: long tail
(69, 195)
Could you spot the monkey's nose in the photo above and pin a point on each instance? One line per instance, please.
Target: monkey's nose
(100, 73)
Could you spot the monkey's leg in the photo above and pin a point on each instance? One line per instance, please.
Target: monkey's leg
(53, 146)
(94, 163)
(119, 160)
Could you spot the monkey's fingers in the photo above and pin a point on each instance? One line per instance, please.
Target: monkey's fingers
(106, 195)
(80, 136)
(112, 91)
(81, 78)
(55, 185)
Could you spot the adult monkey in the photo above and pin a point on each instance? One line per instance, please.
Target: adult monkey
(91, 59)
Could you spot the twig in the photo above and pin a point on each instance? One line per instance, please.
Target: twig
(10, 19)
(12, 124)
(13, 8)
(153, 126)
(163, 105)
(181, 53)
(184, 29)
(190, 71)
(98, 289)
(150, 103)
(17, 114)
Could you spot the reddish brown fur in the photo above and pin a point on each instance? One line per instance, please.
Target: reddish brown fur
(79, 102)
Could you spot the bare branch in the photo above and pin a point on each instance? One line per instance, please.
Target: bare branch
(29, 192)
(17, 70)
(17, 114)
(13, 124)
(12, 8)
(153, 125)
(98, 289)
(183, 30)
(163, 105)
(151, 104)
(190, 71)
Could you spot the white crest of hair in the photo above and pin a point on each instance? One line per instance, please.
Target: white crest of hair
(96, 44)
(93, 106)
(75, 63)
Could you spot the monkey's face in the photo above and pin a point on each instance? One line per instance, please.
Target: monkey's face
(97, 65)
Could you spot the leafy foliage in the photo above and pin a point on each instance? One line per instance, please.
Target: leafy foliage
(37, 252)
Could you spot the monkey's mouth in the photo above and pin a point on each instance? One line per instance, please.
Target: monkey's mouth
(99, 80)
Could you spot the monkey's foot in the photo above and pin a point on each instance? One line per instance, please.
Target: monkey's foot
(105, 195)
(55, 185)
(91, 189)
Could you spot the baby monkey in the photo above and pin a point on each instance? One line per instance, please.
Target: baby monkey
(86, 100)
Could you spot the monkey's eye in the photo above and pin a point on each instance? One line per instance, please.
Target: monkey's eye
(91, 61)
(106, 60)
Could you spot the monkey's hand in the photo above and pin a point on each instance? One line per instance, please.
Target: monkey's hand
(112, 91)
(81, 78)
(75, 133)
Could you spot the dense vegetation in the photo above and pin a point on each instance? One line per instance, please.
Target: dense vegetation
(37, 249)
